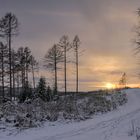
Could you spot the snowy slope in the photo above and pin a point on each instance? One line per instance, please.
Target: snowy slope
(115, 125)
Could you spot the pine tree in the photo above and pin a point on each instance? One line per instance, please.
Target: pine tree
(26, 92)
(49, 94)
(42, 89)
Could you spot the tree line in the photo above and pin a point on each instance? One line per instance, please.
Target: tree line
(18, 67)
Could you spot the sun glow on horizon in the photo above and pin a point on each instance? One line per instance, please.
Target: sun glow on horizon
(109, 86)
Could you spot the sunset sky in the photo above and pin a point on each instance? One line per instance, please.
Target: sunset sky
(105, 28)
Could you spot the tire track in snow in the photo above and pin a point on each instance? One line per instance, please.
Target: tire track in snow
(107, 128)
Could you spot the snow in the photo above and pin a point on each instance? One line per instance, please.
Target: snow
(115, 125)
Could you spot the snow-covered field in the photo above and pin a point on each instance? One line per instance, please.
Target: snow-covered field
(115, 125)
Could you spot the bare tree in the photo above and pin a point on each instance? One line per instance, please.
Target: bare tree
(24, 64)
(123, 80)
(53, 57)
(34, 66)
(21, 65)
(76, 45)
(137, 40)
(8, 28)
(3, 56)
(65, 45)
(13, 64)
(27, 53)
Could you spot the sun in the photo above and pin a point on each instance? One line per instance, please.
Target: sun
(109, 86)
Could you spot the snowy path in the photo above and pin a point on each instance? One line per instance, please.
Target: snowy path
(106, 130)
(115, 125)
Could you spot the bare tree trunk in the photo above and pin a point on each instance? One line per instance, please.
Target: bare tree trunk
(77, 72)
(13, 82)
(13, 72)
(55, 69)
(77, 78)
(2, 57)
(27, 79)
(23, 78)
(26, 70)
(10, 66)
(65, 70)
(18, 88)
(33, 76)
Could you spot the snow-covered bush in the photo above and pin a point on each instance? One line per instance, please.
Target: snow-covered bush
(101, 103)
(34, 111)
(26, 114)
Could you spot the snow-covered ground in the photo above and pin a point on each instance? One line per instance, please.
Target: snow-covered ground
(115, 125)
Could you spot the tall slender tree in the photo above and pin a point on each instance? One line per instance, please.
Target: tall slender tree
(53, 57)
(34, 67)
(137, 40)
(8, 29)
(65, 45)
(15, 71)
(76, 45)
(21, 65)
(13, 64)
(27, 53)
(3, 62)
